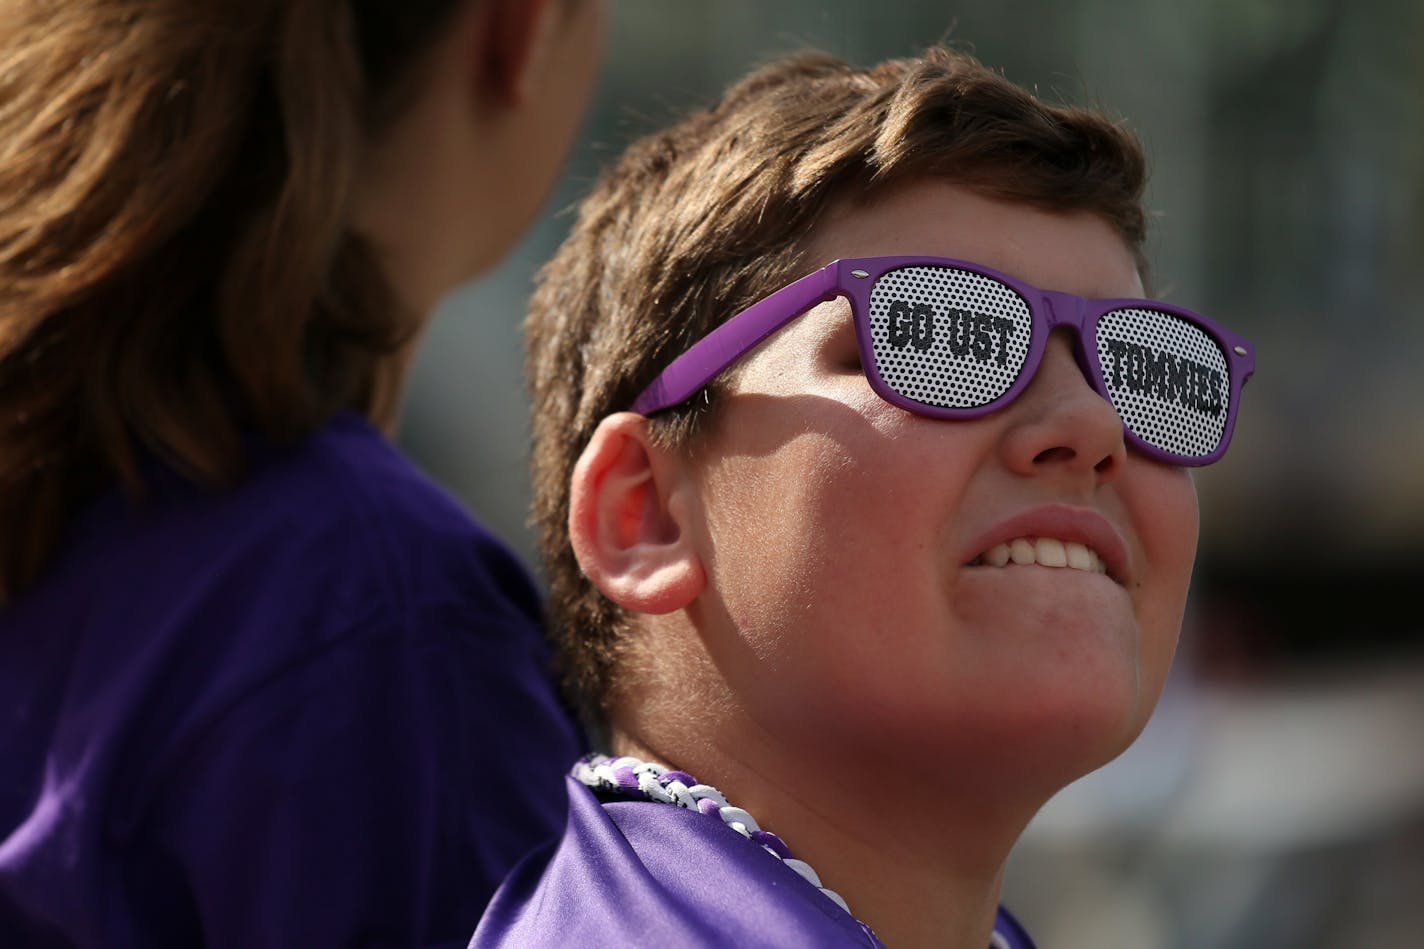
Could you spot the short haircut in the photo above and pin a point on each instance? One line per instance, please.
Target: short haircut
(697, 222)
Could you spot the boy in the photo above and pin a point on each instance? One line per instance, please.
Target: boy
(888, 557)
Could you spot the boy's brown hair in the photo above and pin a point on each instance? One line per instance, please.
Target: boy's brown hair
(699, 221)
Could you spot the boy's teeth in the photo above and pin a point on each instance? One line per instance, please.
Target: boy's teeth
(1051, 552)
(1044, 551)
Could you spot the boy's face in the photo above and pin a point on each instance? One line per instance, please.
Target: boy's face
(847, 606)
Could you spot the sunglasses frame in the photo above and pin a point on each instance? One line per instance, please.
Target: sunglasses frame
(855, 277)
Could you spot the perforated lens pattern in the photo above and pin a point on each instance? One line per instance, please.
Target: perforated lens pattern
(947, 337)
(1167, 378)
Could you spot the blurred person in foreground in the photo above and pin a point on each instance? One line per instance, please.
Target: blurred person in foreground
(862, 467)
(261, 682)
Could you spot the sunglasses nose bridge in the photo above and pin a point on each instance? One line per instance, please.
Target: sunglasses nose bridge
(1064, 309)
(1067, 310)
(1071, 311)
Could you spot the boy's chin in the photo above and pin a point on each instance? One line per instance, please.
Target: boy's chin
(1051, 750)
(1036, 744)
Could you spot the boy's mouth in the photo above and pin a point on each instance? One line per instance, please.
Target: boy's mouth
(1043, 551)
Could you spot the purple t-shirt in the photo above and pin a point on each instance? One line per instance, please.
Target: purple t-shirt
(643, 873)
(282, 715)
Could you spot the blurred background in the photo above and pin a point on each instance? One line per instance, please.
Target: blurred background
(1277, 799)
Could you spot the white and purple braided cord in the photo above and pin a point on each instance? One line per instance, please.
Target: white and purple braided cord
(634, 776)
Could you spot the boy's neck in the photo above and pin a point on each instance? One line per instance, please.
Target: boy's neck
(919, 862)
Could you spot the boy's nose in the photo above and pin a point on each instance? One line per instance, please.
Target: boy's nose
(1061, 423)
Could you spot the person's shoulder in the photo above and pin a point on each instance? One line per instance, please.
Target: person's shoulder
(357, 469)
(350, 499)
(332, 541)
(664, 874)
(336, 570)
(348, 477)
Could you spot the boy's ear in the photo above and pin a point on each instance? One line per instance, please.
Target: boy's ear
(627, 508)
(514, 45)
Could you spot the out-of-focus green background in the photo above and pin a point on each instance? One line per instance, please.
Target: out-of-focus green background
(1277, 799)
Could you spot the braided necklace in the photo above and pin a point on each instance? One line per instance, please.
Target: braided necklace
(633, 776)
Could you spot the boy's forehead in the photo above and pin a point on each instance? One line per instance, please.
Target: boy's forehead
(919, 215)
(862, 213)
(934, 215)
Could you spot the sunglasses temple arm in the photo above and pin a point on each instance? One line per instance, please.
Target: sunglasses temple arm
(701, 363)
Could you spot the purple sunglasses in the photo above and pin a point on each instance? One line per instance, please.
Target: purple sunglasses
(950, 339)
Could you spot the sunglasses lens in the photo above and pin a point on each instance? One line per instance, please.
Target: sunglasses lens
(947, 338)
(1167, 378)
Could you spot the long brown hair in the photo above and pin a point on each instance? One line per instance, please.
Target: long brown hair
(699, 221)
(177, 268)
